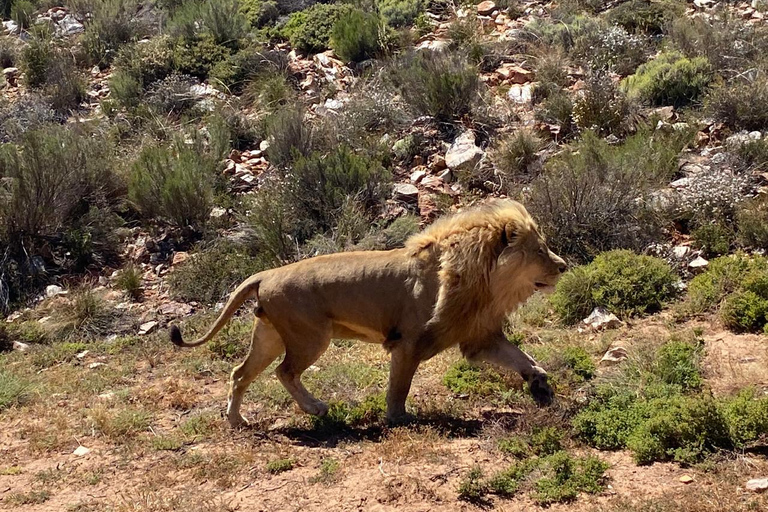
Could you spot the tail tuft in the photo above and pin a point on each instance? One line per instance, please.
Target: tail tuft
(176, 336)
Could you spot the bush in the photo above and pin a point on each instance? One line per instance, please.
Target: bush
(356, 36)
(289, 136)
(171, 95)
(247, 64)
(259, 12)
(129, 280)
(277, 466)
(747, 417)
(198, 56)
(213, 272)
(464, 378)
(564, 477)
(145, 62)
(591, 199)
(714, 239)
(400, 13)
(601, 107)
(611, 49)
(678, 363)
(650, 17)
(8, 52)
(620, 281)
(724, 276)
(441, 85)
(269, 91)
(310, 31)
(745, 311)
(516, 156)
(741, 104)
(86, 316)
(23, 12)
(36, 57)
(557, 109)
(113, 23)
(752, 222)
(175, 183)
(13, 390)
(670, 79)
(322, 184)
(578, 360)
(54, 176)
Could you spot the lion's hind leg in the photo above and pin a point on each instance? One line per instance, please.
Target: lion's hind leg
(302, 349)
(266, 345)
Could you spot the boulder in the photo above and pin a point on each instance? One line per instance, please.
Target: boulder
(602, 319)
(757, 485)
(463, 154)
(405, 192)
(614, 355)
(486, 8)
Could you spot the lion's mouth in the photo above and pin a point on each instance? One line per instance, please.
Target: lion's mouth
(543, 286)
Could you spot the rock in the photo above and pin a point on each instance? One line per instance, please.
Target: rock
(520, 93)
(11, 75)
(216, 213)
(435, 45)
(757, 485)
(446, 176)
(704, 4)
(21, 347)
(486, 8)
(686, 479)
(614, 355)
(10, 26)
(406, 192)
(263, 145)
(437, 163)
(755, 135)
(699, 262)
(93, 366)
(602, 319)
(108, 395)
(80, 451)
(418, 175)
(53, 290)
(681, 251)
(179, 257)
(515, 74)
(69, 26)
(147, 327)
(82, 354)
(175, 309)
(463, 153)
(681, 183)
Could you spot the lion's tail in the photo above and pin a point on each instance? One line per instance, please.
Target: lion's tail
(247, 289)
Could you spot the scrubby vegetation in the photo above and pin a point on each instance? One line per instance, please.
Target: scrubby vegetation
(155, 154)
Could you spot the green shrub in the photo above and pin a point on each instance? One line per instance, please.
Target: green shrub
(321, 184)
(740, 103)
(259, 12)
(620, 281)
(747, 417)
(678, 363)
(472, 488)
(171, 96)
(577, 359)
(714, 239)
(310, 30)
(516, 156)
(557, 109)
(400, 13)
(145, 62)
(198, 56)
(610, 49)
(289, 136)
(270, 91)
(87, 316)
(247, 64)
(23, 12)
(36, 57)
(8, 52)
(464, 378)
(223, 20)
(670, 79)
(745, 311)
(724, 276)
(210, 274)
(175, 183)
(129, 280)
(356, 36)
(113, 23)
(646, 16)
(278, 466)
(564, 477)
(441, 85)
(752, 222)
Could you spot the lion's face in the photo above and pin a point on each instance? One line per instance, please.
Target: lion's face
(528, 261)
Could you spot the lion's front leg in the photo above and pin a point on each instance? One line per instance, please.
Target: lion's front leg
(502, 353)
(402, 368)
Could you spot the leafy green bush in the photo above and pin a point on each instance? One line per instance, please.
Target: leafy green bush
(239, 68)
(147, 61)
(176, 183)
(13, 390)
(259, 12)
(8, 52)
(726, 275)
(400, 13)
(557, 109)
(670, 79)
(740, 103)
(752, 222)
(577, 359)
(356, 36)
(277, 466)
(198, 56)
(210, 274)
(714, 239)
(472, 488)
(171, 95)
(747, 417)
(310, 30)
(442, 85)
(745, 311)
(289, 136)
(564, 477)
(464, 378)
(678, 363)
(646, 16)
(620, 281)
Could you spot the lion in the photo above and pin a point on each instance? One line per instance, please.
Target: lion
(452, 284)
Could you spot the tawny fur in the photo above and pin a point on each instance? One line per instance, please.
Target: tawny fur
(451, 284)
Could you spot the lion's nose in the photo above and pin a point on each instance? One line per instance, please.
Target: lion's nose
(562, 267)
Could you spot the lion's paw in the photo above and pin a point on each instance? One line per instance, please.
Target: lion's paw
(541, 391)
(237, 421)
(316, 408)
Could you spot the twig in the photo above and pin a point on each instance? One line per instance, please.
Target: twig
(381, 467)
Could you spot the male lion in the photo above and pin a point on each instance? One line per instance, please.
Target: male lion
(452, 284)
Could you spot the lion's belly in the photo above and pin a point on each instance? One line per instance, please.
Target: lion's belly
(349, 330)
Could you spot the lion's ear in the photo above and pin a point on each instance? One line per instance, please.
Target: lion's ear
(508, 235)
